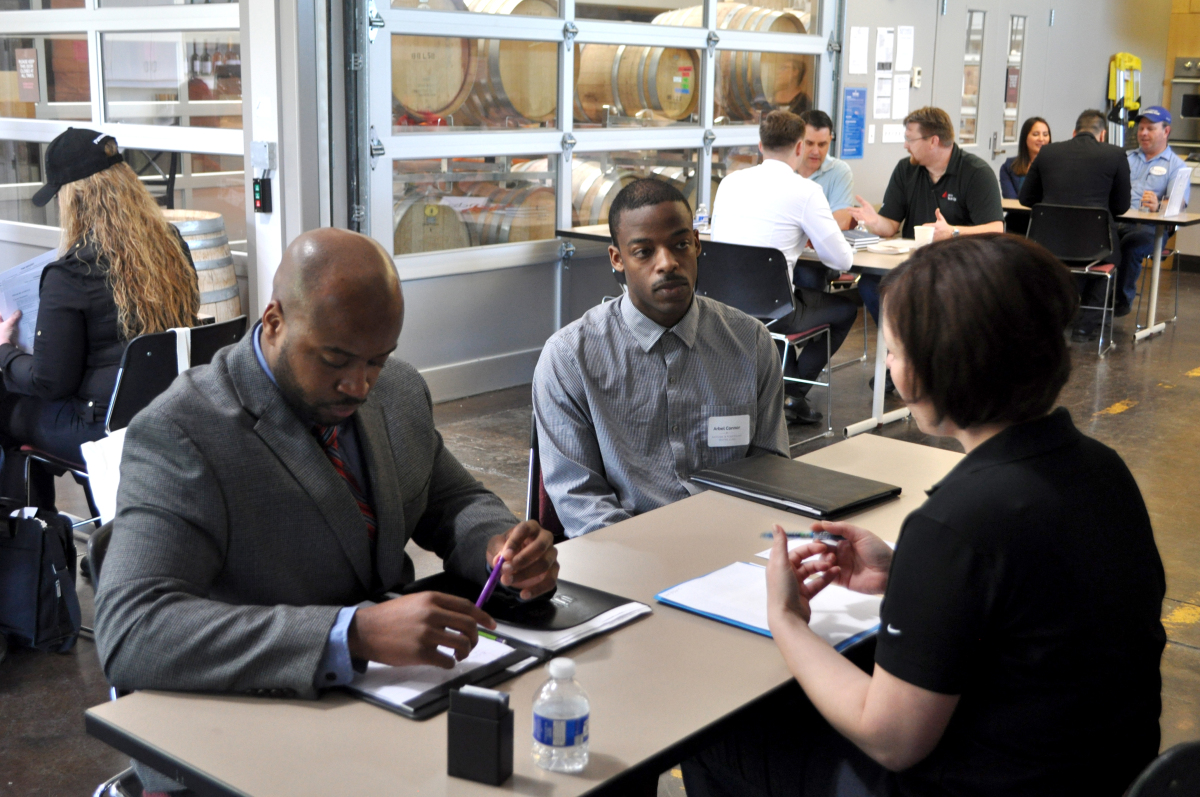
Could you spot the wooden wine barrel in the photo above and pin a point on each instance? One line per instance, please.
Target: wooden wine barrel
(511, 85)
(749, 81)
(632, 79)
(686, 183)
(423, 224)
(204, 233)
(512, 215)
(593, 191)
(432, 76)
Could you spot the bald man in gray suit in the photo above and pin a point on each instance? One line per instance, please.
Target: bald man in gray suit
(264, 496)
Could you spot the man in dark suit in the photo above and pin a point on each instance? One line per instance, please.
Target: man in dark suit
(264, 496)
(1085, 172)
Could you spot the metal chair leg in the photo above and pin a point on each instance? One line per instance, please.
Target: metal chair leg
(1107, 310)
(828, 385)
(866, 339)
(111, 787)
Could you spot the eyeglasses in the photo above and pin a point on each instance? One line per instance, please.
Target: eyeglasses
(908, 140)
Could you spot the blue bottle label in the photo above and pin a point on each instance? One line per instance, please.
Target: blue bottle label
(560, 733)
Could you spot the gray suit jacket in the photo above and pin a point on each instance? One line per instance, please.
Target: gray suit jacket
(236, 542)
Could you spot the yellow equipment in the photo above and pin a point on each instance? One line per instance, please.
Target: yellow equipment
(1124, 95)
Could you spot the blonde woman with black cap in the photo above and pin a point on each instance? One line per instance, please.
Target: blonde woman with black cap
(122, 271)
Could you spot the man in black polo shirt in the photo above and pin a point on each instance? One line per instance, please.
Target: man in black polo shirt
(1085, 172)
(938, 185)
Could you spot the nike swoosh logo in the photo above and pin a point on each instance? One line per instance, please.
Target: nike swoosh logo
(893, 630)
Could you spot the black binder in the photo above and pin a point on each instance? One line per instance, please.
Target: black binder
(795, 486)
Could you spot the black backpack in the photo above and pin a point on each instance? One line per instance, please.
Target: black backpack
(38, 604)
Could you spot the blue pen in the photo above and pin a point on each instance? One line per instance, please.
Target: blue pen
(491, 583)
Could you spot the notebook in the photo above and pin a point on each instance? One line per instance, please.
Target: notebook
(737, 595)
(795, 486)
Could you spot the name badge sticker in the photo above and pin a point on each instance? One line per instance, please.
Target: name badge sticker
(728, 430)
(1158, 171)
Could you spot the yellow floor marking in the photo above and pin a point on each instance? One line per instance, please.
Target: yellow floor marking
(1118, 408)
(1194, 372)
(1183, 614)
(677, 773)
(1167, 385)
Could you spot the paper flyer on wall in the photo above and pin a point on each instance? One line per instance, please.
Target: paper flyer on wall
(19, 290)
(859, 42)
(904, 48)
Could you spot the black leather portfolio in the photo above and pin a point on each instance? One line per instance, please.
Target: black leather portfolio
(795, 486)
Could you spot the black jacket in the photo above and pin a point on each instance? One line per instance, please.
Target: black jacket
(1080, 171)
(79, 344)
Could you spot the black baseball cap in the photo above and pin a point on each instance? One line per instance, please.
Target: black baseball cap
(75, 154)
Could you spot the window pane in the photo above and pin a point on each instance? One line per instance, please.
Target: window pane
(460, 202)
(623, 85)
(38, 5)
(20, 178)
(45, 77)
(735, 16)
(140, 3)
(1012, 78)
(202, 182)
(597, 178)
(972, 61)
(191, 79)
(527, 8)
(472, 83)
(750, 84)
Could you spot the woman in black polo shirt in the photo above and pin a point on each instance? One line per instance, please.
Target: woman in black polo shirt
(1019, 641)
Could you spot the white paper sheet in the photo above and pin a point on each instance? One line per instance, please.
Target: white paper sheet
(558, 640)
(905, 35)
(883, 109)
(884, 49)
(859, 43)
(893, 134)
(900, 89)
(738, 592)
(883, 84)
(1178, 191)
(398, 685)
(19, 290)
(103, 458)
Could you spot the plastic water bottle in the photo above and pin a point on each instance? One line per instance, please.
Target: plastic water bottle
(701, 222)
(560, 721)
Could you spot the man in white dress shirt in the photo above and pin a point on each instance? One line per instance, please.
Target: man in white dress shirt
(771, 205)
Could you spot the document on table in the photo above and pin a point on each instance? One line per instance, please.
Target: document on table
(400, 686)
(737, 595)
(19, 290)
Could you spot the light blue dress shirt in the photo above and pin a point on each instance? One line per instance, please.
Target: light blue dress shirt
(1153, 174)
(336, 668)
(836, 181)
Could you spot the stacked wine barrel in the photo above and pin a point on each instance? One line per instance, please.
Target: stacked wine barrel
(749, 81)
(631, 79)
(423, 223)
(512, 214)
(432, 76)
(686, 182)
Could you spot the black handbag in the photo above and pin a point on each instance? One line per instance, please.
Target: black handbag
(38, 604)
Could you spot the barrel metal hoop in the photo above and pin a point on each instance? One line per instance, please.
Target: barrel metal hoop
(210, 265)
(208, 243)
(220, 295)
(198, 226)
(616, 81)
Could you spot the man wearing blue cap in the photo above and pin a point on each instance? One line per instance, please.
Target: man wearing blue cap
(1152, 169)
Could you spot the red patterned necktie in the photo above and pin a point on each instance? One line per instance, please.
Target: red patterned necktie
(328, 435)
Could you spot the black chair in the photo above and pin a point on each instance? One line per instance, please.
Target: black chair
(1081, 238)
(758, 281)
(538, 505)
(148, 367)
(208, 340)
(1173, 774)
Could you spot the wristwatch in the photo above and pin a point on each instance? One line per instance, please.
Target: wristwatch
(955, 233)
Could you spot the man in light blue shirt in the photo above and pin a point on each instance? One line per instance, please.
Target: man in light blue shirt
(1152, 170)
(833, 175)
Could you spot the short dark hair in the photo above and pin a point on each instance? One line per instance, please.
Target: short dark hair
(980, 320)
(1091, 121)
(817, 120)
(933, 122)
(780, 129)
(639, 194)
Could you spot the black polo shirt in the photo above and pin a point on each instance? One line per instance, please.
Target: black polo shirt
(1029, 583)
(968, 194)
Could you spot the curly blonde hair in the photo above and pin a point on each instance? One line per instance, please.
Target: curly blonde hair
(153, 285)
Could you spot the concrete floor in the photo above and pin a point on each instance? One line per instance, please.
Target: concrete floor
(1142, 401)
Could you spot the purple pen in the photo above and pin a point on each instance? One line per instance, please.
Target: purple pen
(491, 584)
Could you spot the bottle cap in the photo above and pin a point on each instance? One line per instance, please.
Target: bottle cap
(562, 668)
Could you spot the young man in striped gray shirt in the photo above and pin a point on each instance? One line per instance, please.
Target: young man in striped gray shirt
(640, 393)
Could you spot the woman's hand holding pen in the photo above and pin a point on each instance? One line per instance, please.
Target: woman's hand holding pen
(789, 589)
(861, 559)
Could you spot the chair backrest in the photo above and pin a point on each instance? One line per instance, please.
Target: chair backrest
(209, 339)
(148, 367)
(538, 505)
(1175, 772)
(754, 279)
(1072, 234)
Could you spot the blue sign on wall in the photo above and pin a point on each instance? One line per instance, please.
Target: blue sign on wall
(854, 122)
